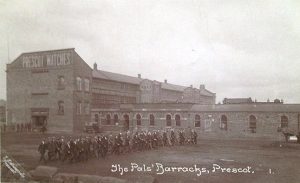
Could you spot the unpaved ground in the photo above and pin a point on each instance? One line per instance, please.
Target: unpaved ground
(269, 161)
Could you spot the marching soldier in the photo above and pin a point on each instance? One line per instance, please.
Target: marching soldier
(173, 137)
(42, 150)
(181, 137)
(194, 136)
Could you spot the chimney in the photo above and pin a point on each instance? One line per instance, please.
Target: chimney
(95, 66)
(166, 81)
(139, 75)
(191, 86)
(202, 87)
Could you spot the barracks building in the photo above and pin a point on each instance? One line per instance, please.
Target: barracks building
(58, 89)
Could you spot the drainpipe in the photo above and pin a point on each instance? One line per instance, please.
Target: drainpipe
(298, 123)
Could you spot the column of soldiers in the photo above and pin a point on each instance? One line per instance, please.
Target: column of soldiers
(83, 148)
(17, 127)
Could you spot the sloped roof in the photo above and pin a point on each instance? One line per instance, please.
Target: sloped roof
(132, 80)
(169, 86)
(116, 77)
(206, 92)
(247, 108)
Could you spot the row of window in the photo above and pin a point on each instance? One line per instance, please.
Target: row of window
(82, 84)
(197, 121)
(252, 122)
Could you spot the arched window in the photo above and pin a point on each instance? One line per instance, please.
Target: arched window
(223, 124)
(284, 122)
(116, 119)
(177, 120)
(168, 120)
(197, 120)
(61, 109)
(252, 123)
(108, 119)
(138, 119)
(97, 118)
(152, 120)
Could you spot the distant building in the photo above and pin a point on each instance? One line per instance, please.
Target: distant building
(249, 101)
(237, 100)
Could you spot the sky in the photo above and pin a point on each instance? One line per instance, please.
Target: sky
(236, 48)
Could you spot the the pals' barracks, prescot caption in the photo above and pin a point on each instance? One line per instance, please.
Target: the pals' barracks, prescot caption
(59, 90)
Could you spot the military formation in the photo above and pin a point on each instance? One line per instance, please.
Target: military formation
(79, 149)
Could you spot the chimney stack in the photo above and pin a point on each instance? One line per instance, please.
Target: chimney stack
(166, 81)
(139, 75)
(202, 87)
(191, 86)
(95, 66)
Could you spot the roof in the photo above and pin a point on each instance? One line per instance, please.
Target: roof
(237, 100)
(169, 86)
(247, 108)
(131, 79)
(116, 77)
(206, 92)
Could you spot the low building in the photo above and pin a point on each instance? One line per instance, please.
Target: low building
(231, 120)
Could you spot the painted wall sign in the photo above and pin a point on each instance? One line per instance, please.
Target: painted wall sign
(47, 60)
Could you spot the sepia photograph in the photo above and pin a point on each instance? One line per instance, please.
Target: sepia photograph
(145, 91)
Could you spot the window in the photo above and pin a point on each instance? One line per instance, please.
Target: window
(86, 85)
(78, 107)
(108, 119)
(252, 123)
(197, 121)
(138, 119)
(284, 122)
(116, 119)
(223, 124)
(97, 118)
(151, 118)
(61, 107)
(86, 108)
(168, 120)
(61, 82)
(78, 83)
(177, 120)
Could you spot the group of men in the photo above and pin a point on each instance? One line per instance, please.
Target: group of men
(17, 127)
(99, 146)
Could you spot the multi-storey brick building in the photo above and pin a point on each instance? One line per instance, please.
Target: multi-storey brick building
(49, 88)
(57, 88)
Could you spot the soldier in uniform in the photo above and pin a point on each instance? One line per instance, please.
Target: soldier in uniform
(181, 137)
(194, 136)
(173, 137)
(165, 138)
(117, 144)
(51, 149)
(42, 150)
(105, 144)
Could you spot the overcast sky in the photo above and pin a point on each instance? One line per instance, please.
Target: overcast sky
(236, 48)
